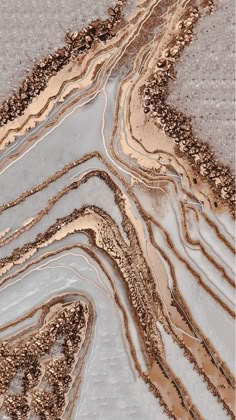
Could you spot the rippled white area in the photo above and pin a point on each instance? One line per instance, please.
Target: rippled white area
(93, 192)
(215, 323)
(14, 329)
(202, 266)
(202, 232)
(203, 399)
(77, 134)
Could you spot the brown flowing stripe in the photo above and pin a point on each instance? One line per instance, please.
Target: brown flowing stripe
(198, 243)
(106, 176)
(144, 299)
(77, 43)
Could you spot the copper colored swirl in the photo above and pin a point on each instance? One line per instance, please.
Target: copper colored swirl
(116, 242)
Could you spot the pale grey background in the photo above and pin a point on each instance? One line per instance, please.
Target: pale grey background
(30, 29)
(205, 83)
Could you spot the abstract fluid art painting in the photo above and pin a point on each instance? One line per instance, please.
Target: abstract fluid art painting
(117, 217)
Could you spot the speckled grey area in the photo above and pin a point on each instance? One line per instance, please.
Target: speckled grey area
(30, 29)
(205, 82)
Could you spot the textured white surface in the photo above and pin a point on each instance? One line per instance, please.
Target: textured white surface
(205, 83)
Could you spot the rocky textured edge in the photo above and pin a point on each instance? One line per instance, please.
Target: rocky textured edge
(176, 124)
(76, 43)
